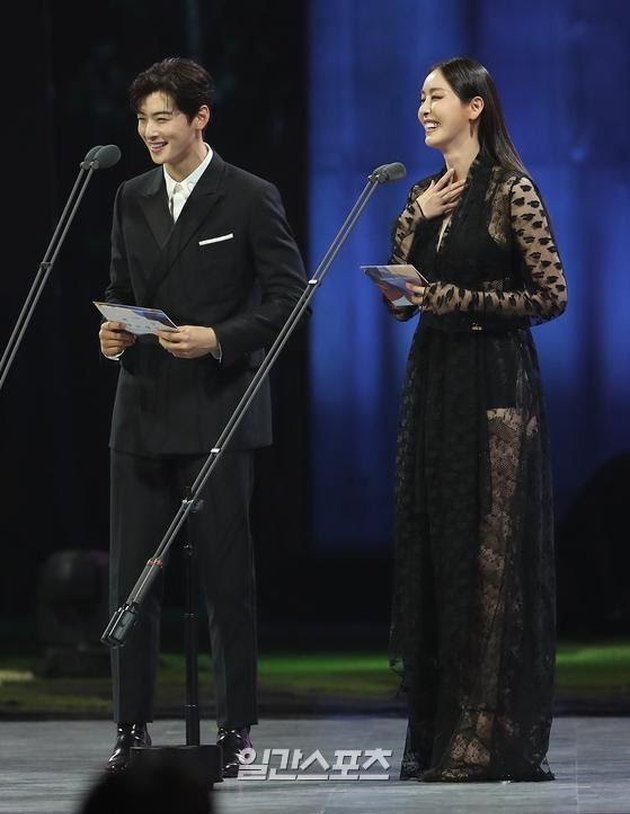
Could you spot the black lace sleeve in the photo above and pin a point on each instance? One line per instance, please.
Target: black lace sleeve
(544, 296)
(403, 232)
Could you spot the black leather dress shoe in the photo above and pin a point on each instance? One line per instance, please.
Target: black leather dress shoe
(232, 742)
(127, 735)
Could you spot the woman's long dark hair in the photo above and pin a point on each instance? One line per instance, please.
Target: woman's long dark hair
(469, 78)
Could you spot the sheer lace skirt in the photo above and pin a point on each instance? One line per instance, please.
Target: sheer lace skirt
(473, 616)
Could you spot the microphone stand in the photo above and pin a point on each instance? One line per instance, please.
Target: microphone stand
(124, 619)
(98, 156)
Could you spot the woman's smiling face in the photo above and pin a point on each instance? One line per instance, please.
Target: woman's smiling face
(444, 117)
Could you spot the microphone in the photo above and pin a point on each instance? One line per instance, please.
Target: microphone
(89, 157)
(95, 157)
(106, 157)
(388, 172)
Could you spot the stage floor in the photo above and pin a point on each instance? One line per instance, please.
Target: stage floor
(47, 766)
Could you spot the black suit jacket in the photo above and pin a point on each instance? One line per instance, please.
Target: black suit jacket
(230, 263)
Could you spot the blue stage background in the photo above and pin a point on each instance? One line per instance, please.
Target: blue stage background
(313, 96)
(562, 72)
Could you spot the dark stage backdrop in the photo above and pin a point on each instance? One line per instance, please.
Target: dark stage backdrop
(69, 92)
(313, 95)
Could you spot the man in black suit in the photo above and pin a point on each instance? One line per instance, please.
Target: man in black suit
(209, 244)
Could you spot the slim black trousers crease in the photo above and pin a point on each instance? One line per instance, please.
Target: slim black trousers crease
(146, 493)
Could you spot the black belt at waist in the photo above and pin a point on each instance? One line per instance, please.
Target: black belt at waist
(463, 322)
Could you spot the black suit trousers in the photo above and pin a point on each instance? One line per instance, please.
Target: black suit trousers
(146, 493)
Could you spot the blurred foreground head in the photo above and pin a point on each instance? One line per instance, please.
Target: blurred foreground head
(164, 784)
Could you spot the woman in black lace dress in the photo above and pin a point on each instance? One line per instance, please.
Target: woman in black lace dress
(473, 617)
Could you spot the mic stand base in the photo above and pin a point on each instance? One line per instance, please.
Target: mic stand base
(203, 761)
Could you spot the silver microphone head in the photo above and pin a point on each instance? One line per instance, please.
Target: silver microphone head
(89, 157)
(388, 172)
(106, 157)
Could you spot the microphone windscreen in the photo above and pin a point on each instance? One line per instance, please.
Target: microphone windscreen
(388, 172)
(396, 171)
(107, 156)
(92, 152)
(89, 156)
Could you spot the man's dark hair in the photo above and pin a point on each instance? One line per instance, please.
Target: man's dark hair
(187, 83)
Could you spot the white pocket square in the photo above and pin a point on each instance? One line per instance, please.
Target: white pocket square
(216, 239)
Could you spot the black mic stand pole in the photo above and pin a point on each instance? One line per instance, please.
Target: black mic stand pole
(124, 619)
(191, 714)
(98, 156)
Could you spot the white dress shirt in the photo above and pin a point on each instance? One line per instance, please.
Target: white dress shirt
(178, 191)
